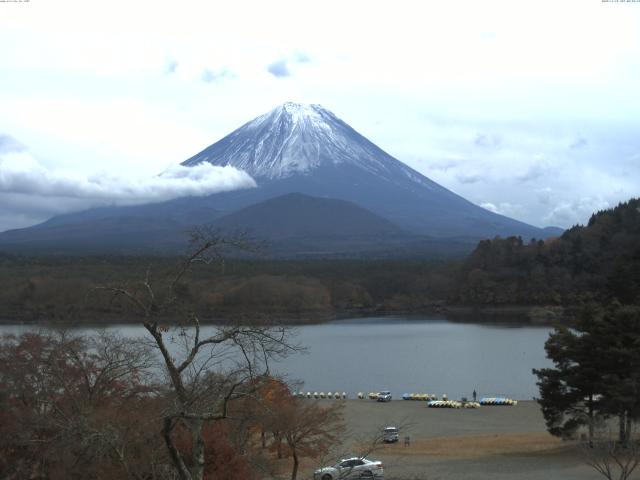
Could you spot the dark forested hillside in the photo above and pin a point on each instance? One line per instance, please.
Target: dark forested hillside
(593, 263)
(50, 288)
(596, 262)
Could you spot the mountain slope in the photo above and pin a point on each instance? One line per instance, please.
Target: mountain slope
(293, 148)
(300, 226)
(298, 215)
(306, 148)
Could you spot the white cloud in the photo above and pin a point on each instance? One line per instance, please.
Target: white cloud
(504, 208)
(565, 212)
(213, 76)
(468, 178)
(490, 206)
(21, 173)
(536, 171)
(487, 141)
(281, 67)
(30, 192)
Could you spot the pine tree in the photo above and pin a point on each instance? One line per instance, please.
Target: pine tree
(570, 393)
(596, 373)
(618, 328)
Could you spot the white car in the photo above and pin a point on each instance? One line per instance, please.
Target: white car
(384, 396)
(355, 467)
(390, 435)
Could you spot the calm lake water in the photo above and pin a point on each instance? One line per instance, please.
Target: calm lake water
(401, 354)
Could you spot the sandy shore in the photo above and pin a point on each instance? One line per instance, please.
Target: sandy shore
(500, 442)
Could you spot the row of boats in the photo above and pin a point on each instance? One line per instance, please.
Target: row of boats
(432, 399)
(424, 397)
(465, 404)
(498, 401)
(452, 404)
(446, 403)
(336, 395)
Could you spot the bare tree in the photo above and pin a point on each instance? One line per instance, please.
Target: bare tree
(207, 368)
(612, 459)
(360, 446)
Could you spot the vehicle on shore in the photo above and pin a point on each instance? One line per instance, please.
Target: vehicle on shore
(355, 467)
(390, 435)
(384, 396)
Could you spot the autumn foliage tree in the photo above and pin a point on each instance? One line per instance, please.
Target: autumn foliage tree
(310, 429)
(90, 407)
(207, 369)
(297, 427)
(77, 406)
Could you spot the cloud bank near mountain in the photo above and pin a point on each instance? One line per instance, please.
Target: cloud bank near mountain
(30, 191)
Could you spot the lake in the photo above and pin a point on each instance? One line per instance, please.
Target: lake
(407, 354)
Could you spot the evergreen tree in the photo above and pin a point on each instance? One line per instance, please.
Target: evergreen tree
(570, 393)
(618, 328)
(596, 373)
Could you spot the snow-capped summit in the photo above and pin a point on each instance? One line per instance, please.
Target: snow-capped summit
(296, 138)
(300, 112)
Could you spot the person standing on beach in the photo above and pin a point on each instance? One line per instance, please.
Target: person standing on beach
(474, 395)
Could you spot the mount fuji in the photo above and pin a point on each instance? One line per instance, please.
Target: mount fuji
(295, 148)
(307, 149)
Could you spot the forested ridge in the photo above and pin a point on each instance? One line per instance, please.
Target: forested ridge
(593, 263)
(61, 288)
(598, 262)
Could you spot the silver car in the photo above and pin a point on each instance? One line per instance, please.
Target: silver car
(384, 396)
(355, 467)
(390, 435)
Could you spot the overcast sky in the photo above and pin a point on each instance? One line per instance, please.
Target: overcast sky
(528, 108)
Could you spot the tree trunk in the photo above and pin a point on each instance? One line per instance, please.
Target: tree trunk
(296, 463)
(278, 439)
(591, 421)
(622, 424)
(197, 449)
(183, 471)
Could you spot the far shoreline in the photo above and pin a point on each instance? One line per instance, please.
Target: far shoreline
(530, 315)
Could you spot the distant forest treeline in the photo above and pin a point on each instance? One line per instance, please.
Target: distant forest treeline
(597, 262)
(60, 288)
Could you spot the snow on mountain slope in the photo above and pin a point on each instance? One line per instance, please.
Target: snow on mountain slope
(307, 149)
(297, 139)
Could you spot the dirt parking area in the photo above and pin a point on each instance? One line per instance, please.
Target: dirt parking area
(493, 443)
